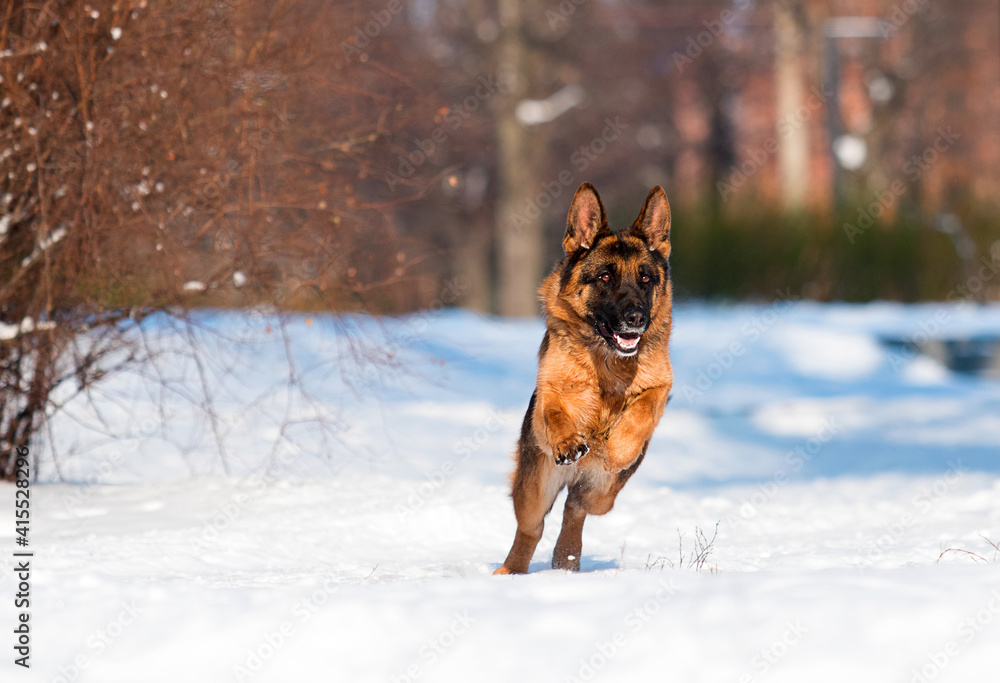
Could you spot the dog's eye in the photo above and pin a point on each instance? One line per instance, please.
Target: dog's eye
(645, 279)
(605, 277)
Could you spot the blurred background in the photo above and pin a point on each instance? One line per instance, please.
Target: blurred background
(375, 154)
(389, 156)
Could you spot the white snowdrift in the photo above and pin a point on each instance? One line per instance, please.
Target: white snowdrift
(837, 472)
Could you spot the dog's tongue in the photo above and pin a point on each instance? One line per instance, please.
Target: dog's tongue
(627, 342)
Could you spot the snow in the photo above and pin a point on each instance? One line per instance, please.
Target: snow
(9, 331)
(45, 244)
(535, 112)
(26, 326)
(837, 473)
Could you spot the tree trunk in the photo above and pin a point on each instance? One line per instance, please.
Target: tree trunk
(472, 269)
(793, 149)
(519, 220)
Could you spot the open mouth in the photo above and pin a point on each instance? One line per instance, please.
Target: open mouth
(625, 343)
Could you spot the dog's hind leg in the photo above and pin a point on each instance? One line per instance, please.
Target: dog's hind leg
(536, 485)
(567, 552)
(598, 500)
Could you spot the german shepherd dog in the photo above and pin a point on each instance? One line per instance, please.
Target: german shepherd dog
(604, 373)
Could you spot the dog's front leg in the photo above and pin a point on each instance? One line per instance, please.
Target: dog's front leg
(561, 426)
(634, 428)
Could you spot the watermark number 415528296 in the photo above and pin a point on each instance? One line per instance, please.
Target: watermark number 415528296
(22, 560)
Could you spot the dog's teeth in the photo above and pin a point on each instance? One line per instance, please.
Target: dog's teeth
(627, 343)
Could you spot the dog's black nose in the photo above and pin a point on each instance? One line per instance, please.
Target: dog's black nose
(635, 318)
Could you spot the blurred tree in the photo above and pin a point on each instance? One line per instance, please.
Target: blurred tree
(520, 160)
(793, 150)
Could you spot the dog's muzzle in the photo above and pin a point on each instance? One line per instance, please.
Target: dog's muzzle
(625, 342)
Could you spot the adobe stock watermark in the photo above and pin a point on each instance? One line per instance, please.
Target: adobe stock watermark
(100, 472)
(260, 133)
(434, 649)
(380, 374)
(931, 327)
(559, 17)
(450, 295)
(257, 655)
(98, 643)
(456, 117)
(363, 35)
(922, 503)
(634, 621)
(580, 160)
(967, 631)
(463, 449)
(697, 44)
(967, 292)
(228, 512)
(756, 157)
(795, 461)
(73, 497)
(914, 168)
(750, 333)
(900, 15)
(765, 659)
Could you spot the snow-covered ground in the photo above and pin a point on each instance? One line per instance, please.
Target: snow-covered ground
(349, 529)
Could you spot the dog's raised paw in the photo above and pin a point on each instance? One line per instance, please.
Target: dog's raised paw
(570, 454)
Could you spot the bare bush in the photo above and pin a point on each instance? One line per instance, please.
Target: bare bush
(695, 559)
(974, 556)
(160, 156)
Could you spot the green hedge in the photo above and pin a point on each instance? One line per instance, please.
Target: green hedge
(754, 253)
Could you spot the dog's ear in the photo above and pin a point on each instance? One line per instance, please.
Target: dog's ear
(653, 224)
(586, 219)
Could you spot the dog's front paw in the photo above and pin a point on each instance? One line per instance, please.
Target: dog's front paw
(571, 450)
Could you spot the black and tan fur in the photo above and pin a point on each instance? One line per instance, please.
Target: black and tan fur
(599, 394)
